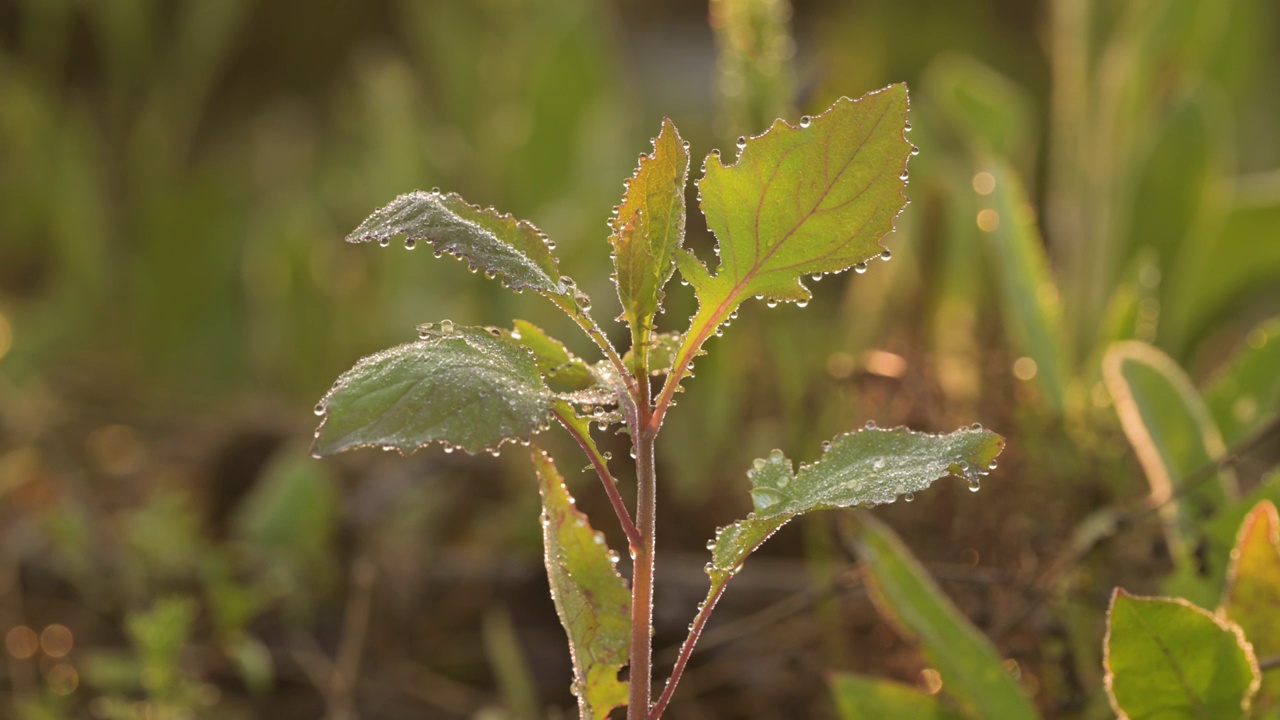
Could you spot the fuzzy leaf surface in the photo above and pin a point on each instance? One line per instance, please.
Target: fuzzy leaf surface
(495, 243)
(1167, 658)
(1252, 597)
(559, 366)
(592, 600)
(805, 200)
(866, 466)
(972, 672)
(648, 230)
(464, 388)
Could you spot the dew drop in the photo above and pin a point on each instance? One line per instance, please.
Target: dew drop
(909, 497)
(742, 141)
(319, 409)
(826, 445)
(904, 176)
(871, 425)
(975, 484)
(992, 466)
(886, 255)
(805, 120)
(776, 455)
(686, 144)
(802, 303)
(446, 327)
(976, 426)
(914, 151)
(907, 127)
(772, 303)
(410, 243)
(860, 268)
(878, 464)
(384, 241)
(711, 544)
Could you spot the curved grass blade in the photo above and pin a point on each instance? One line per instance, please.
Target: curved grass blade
(864, 698)
(592, 600)
(463, 387)
(1173, 435)
(972, 672)
(497, 244)
(1167, 658)
(1252, 595)
(648, 231)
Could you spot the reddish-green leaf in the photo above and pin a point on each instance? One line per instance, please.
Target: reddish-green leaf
(647, 232)
(495, 243)
(1167, 658)
(1252, 597)
(592, 600)
(805, 200)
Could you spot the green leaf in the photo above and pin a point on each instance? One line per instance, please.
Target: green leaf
(1173, 435)
(558, 366)
(1252, 594)
(870, 466)
(648, 231)
(1029, 298)
(592, 600)
(462, 387)
(803, 201)
(1167, 658)
(864, 698)
(1246, 393)
(971, 670)
(497, 244)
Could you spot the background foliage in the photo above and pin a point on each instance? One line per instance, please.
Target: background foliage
(175, 178)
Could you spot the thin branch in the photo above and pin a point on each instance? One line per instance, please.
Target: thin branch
(686, 650)
(602, 470)
(589, 325)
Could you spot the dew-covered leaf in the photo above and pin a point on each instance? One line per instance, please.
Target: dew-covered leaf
(561, 368)
(592, 600)
(1167, 658)
(648, 230)
(462, 387)
(1173, 435)
(864, 698)
(972, 672)
(869, 466)
(804, 200)
(1246, 393)
(489, 241)
(662, 349)
(1252, 596)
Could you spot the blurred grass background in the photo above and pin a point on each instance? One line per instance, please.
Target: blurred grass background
(175, 180)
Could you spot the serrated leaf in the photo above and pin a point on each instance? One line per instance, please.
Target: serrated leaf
(648, 231)
(1246, 393)
(661, 354)
(592, 600)
(864, 698)
(464, 387)
(867, 466)
(1173, 435)
(559, 366)
(1252, 596)
(1167, 658)
(971, 670)
(804, 200)
(489, 241)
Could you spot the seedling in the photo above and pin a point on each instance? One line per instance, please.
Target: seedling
(799, 201)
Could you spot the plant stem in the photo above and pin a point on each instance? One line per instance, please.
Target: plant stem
(686, 650)
(602, 470)
(641, 675)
